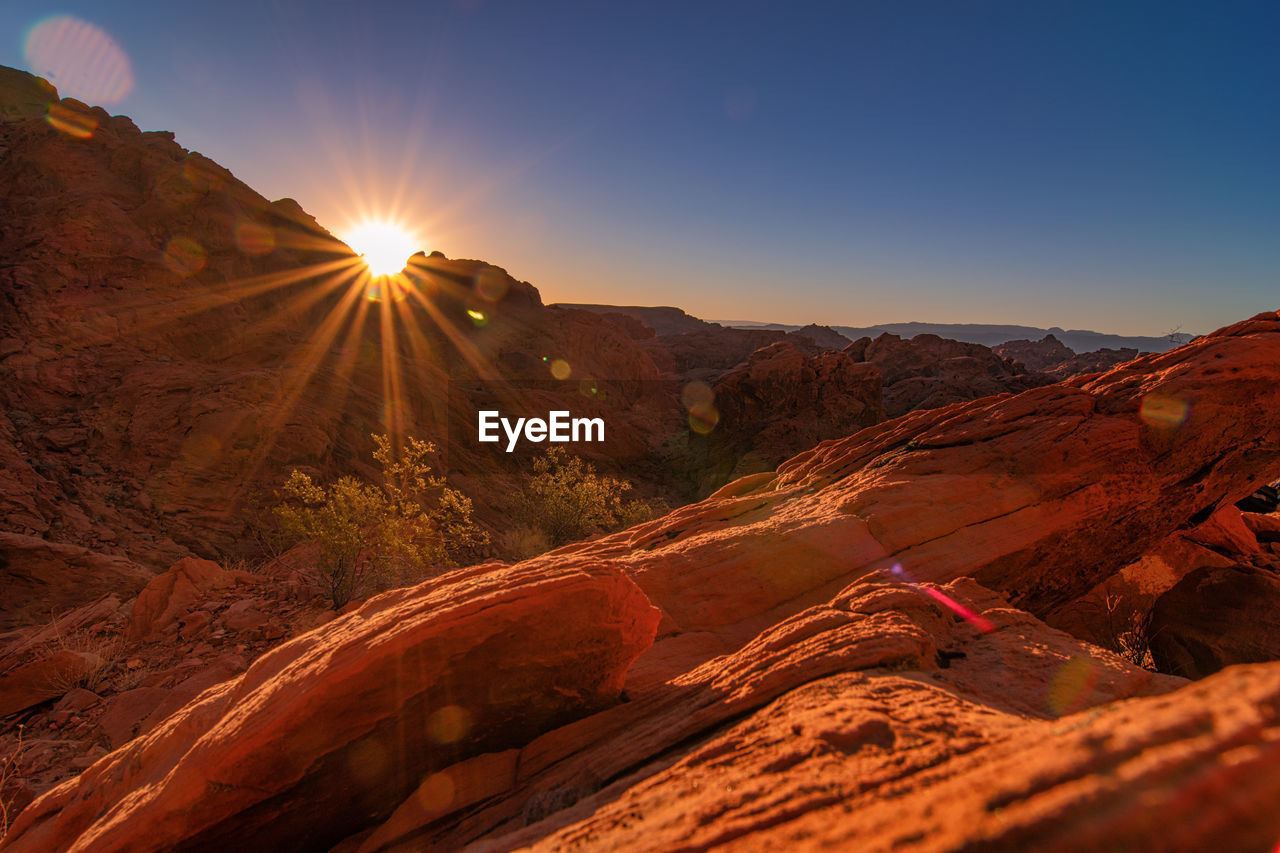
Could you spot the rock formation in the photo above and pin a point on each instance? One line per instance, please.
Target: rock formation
(172, 344)
(926, 371)
(783, 401)
(819, 644)
(1053, 358)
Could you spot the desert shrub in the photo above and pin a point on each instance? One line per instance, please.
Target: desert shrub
(1128, 632)
(567, 500)
(521, 541)
(10, 772)
(100, 652)
(376, 534)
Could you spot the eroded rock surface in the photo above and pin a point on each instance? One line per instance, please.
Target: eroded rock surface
(333, 729)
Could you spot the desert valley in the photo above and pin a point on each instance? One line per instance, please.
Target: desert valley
(809, 591)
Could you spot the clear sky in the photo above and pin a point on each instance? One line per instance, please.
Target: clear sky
(1107, 165)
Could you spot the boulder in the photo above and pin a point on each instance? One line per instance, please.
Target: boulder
(39, 576)
(45, 678)
(1225, 531)
(168, 595)
(328, 733)
(1265, 528)
(1216, 617)
(125, 712)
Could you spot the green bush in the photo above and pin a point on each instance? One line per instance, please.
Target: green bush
(399, 530)
(566, 500)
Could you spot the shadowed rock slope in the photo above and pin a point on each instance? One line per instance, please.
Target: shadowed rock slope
(845, 652)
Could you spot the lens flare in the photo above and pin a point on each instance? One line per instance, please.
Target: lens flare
(436, 793)
(1160, 410)
(560, 369)
(699, 399)
(387, 288)
(385, 246)
(1071, 686)
(71, 120)
(491, 285)
(253, 238)
(184, 256)
(966, 613)
(80, 59)
(449, 724)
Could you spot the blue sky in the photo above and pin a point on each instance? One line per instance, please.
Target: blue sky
(1101, 165)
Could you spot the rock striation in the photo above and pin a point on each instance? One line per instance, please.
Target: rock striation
(414, 681)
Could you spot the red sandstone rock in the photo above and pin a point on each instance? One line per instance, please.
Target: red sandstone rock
(1042, 494)
(860, 636)
(1114, 613)
(783, 401)
(899, 763)
(1215, 617)
(43, 679)
(927, 371)
(1225, 532)
(125, 712)
(1265, 528)
(42, 576)
(167, 596)
(1035, 355)
(335, 728)
(800, 693)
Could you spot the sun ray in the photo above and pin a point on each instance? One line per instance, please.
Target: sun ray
(305, 369)
(465, 347)
(392, 399)
(349, 354)
(151, 316)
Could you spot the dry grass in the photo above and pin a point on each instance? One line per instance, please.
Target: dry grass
(132, 678)
(1129, 633)
(101, 653)
(10, 770)
(522, 542)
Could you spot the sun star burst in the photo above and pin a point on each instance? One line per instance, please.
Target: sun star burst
(385, 246)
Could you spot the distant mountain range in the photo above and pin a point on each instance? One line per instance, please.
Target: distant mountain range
(666, 320)
(1080, 340)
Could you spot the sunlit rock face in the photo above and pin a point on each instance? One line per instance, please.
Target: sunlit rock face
(336, 728)
(802, 640)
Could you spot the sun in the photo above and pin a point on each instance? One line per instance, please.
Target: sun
(385, 246)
